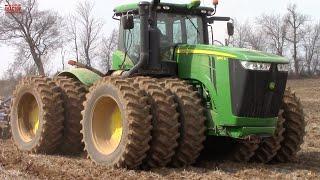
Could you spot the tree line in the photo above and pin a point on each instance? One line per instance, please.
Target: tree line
(38, 34)
(294, 35)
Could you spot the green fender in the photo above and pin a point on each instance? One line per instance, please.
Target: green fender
(85, 76)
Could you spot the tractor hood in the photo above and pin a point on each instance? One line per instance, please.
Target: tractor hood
(231, 53)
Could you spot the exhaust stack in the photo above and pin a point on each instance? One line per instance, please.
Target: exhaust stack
(144, 41)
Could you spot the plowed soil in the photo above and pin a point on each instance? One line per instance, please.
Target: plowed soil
(16, 165)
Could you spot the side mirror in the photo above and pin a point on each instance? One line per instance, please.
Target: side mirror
(127, 22)
(230, 27)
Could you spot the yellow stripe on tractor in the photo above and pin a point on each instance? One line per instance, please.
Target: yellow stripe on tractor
(205, 52)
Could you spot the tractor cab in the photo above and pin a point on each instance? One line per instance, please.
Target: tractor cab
(172, 29)
(151, 32)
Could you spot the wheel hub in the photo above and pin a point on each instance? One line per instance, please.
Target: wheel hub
(28, 115)
(106, 125)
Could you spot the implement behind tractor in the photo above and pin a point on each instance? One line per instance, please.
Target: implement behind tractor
(4, 118)
(169, 96)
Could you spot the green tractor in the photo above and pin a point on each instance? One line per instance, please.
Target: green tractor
(169, 95)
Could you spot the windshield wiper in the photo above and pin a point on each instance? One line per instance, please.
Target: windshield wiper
(193, 25)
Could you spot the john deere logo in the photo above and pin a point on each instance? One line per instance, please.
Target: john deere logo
(272, 86)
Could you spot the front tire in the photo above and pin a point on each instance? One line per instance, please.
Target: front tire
(294, 125)
(116, 124)
(244, 150)
(269, 147)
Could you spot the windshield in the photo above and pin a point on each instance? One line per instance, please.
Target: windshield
(175, 28)
(178, 29)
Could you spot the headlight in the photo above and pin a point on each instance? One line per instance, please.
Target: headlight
(203, 11)
(283, 67)
(256, 66)
(166, 7)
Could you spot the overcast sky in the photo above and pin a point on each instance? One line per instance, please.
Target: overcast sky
(239, 9)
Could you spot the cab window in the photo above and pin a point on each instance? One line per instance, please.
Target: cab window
(174, 29)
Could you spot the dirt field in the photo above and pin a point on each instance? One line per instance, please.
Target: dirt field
(14, 165)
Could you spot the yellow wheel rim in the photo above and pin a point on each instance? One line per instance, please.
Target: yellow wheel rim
(28, 117)
(116, 126)
(106, 125)
(34, 117)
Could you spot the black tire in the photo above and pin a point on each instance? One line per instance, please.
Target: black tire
(244, 150)
(192, 122)
(165, 122)
(48, 136)
(269, 147)
(135, 123)
(74, 94)
(294, 125)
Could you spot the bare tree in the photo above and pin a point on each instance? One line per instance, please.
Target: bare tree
(21, 65)
(242, 32)
(109, 45)
(32, 30)
(73, 34)
(316, 64)
(296, 21)
(248, 36)
(63, 54)
(275, 29)
(89, 30)
(311, 46)
(256, 39)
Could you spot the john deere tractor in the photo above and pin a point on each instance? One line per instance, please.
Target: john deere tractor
(169, 93)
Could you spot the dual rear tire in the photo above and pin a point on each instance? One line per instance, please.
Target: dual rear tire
(116, 123)
(160, 125)
(127, 123)
(37, 115)
(73, 93)
(46, 113)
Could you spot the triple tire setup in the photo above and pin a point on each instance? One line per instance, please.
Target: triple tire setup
(134, 123)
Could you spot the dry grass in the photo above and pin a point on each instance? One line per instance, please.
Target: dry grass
(15, 165)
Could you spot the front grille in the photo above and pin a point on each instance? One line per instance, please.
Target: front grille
(250, 92)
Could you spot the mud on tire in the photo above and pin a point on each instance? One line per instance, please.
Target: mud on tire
(243, 150)
(269, 147)
(294, 125)
(73, 93)
(42, 95)
(105, 98)
(165, 122)
(192, 122)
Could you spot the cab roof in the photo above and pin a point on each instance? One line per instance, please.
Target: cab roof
(179, 8)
